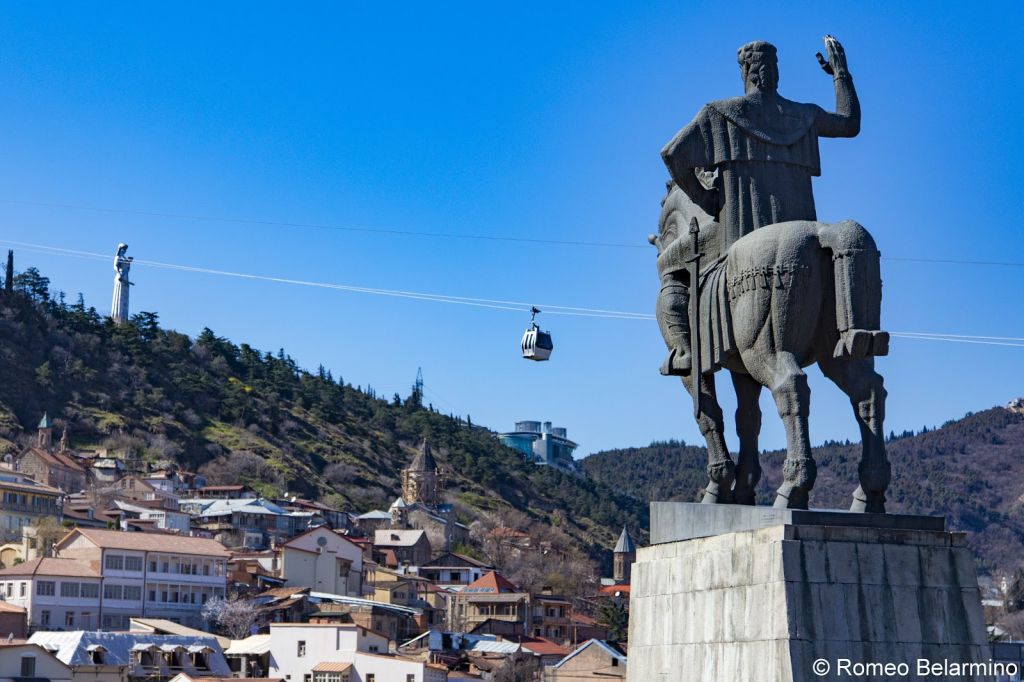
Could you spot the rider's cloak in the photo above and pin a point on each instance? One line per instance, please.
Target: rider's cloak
(765, 149)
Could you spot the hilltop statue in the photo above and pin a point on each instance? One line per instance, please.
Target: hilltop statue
(119, 306)
(752, 283)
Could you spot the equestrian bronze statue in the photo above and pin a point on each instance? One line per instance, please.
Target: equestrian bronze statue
(751, 282)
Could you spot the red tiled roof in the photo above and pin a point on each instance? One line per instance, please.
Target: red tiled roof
(490, 582)
(612, 590)
(150, 542)
(48, 566)
(544, 647)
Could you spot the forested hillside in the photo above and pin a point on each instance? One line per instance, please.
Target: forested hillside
(247, 416)
(970, 470)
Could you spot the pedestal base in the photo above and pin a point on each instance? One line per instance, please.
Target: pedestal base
(773, 598)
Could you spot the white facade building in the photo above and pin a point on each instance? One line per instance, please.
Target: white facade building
(154, 575)
(323, 561)
(309, 652)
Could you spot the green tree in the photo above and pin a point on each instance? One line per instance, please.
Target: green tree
(33, 285)
(614, 617)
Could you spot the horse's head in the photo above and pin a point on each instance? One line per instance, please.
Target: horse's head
(677, 209)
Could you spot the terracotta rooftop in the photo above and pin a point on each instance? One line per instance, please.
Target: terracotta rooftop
(150, 542)
(330, 667)
(491, 582)
(545, 647)
(47, 566)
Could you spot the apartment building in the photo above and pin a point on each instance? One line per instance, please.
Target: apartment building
(23, 502)
(149, 575)
(57, 594)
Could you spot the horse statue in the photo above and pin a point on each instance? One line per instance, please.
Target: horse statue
(776, 300)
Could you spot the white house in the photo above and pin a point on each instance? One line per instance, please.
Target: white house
(312, 652)
(324, 561)
(154, 575)
(27, 661)
(57, 594)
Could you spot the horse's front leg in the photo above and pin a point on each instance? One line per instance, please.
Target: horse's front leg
(721, 469)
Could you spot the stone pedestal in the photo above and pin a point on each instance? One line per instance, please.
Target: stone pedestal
(751, 593)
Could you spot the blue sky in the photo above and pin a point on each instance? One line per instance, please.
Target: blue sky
(530, 121)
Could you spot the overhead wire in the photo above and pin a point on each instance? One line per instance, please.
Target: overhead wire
(414, 233)
(498, 304)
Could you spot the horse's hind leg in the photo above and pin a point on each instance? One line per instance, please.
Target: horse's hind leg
(721, 469)
(748, 428)
(793, 398)
(858, 379)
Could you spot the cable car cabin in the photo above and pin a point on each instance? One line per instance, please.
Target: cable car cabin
(537, 344)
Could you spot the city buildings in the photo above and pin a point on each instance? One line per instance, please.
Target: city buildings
(23, 502)
(322, 652)
(542, 444)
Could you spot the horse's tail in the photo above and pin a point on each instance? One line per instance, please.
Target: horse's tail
(858, 287)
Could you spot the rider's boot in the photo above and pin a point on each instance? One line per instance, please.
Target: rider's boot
(674, 320)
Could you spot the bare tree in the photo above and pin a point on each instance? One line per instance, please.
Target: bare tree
(235, 617)
(339, 473)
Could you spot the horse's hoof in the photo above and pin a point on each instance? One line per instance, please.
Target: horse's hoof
(867, 503)
(791, 498)
(713, 494)
(744, 496)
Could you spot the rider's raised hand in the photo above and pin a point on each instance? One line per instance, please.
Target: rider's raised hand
(835, 64)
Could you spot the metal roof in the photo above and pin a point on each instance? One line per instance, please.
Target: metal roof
(625, 544)
(73, 648)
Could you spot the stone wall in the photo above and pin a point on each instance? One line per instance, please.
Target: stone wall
(767, 603)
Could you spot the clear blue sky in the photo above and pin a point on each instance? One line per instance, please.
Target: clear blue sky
(530, 121)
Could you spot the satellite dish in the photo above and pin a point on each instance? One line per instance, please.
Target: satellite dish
(322, 541)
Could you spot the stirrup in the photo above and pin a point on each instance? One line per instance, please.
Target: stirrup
(861, 343)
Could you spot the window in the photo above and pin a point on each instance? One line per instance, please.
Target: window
(44, 618)
(71, 590)
(133, 563)
(69, 619)
(90, 591)
(114, 562)
(21, 590)
(307, 678)
(28, 666)
(370, 677)
(112, 591)
(10, 589)
(152, 595)
(97, 655)
(302, 648)
(343, 568)
(132, 592)
(615, 662)
(46, 588)
(152, 565)
(410, 678)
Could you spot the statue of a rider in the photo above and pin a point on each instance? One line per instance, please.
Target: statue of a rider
(748, 162)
